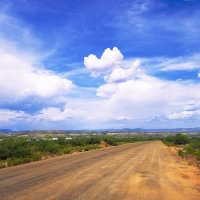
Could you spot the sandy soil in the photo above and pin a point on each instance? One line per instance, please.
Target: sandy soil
(147, 170)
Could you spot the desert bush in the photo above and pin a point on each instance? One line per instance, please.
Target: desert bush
(195, 143)
(17, 161)
(181, 139)
(181, 153)
(178, 139)
(36, 157)
(53, 148)
(111, 140)
(78, 141)
(14, 151)
(87, 148)
(190, 150)
(197, 154)
(26, 160)
(93, 140)
(2, 164)
(79, 148)
(67, 150)
(9, 162)
(61, 141)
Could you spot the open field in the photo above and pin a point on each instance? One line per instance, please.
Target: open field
(146, 170)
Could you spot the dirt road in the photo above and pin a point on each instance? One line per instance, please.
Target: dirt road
(147, 170)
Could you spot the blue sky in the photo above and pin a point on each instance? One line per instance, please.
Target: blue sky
(99, 64)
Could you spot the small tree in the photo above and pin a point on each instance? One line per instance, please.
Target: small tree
(181, 139)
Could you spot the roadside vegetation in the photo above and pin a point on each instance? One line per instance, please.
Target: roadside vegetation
(188, 146)
(20, 150)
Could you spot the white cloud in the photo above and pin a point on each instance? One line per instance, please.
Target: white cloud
(199, 75)
(120, 74)
(5, 115)
(181, 66)
(132, 93)
(148, 97)
(19, 78)
(155, 64)
(51, 114)
(107, 90)
(123, 104)
(109, 60)
(184, 114)
(192, 106)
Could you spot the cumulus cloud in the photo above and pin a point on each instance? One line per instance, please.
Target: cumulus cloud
(120, 74)
(107, 90)
(109, 60)
(131, 92)
(148, 97)
(21, 81)
(199, 75)
(109, 65)
(25, 84)
(19, 77)
(143, 98)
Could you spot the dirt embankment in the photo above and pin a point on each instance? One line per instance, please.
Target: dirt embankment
(146, 170)
(187, 159)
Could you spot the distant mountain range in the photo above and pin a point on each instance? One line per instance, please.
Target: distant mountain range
(197, 129)
(6, 131)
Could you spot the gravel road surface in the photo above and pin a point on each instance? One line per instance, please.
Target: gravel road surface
(145, 170)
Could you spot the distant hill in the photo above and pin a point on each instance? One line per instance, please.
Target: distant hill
(197, 129)
(63, 133)
(6, 131)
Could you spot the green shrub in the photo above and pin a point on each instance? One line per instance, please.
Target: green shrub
(67, 150)
(79, 148)
(53, 148)
(2, 165)
(59, 152)
(9, 162)
(178, 139)
(26, 160)
(169, 140)
(181, 139)
(181, 153)
(197, 154)
(17, 161)
(195, 143)
(86, 148)
(93, 140)
(77, 141)
(111, 140)
(190, 150)
(61, 141)
(36, 157)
